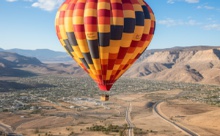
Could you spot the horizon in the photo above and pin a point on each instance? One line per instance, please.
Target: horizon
(145, 50)
(29, 24)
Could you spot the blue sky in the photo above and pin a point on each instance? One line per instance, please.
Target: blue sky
(29, 24)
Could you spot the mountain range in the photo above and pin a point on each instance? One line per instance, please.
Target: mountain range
(197, 64)
(182, 64)
(15, 65)
(44, 55)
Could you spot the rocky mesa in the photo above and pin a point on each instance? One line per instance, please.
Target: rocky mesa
(190, 64)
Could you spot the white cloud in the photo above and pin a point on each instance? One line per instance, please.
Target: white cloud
(192, 1)
(188, 1)
(169, 22)
(172, 22)
(212, 27)
(192, 22)
(17, 0)
(11, 0)
(207, 7)
(47, 5)
(170, 1)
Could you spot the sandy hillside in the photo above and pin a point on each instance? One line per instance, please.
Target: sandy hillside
(201, 118)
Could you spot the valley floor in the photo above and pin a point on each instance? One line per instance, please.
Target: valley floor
(66, 118)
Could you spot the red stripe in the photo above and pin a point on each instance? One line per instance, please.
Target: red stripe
(122, 52)
(79, 28)
(104, 69)
(151, 31)
(90, 20)
(135, 2)
(127, 6)
(134, 43)
(125, 66)
(92, 1)
(117, 13)
(62, 14)
(80, 6)
(118, 61)
(71, 6)
(117, 6)
(126, 1)
(144, 37)
(104, 13)
(57, 29)
(67, 1)
(131, 50)
(141, 43)
(111, 63)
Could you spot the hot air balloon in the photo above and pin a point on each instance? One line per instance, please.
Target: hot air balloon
(105, 37)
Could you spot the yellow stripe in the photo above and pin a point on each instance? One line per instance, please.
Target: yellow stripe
(118, 21)
(103, 55)
(68, 24)
(114, 49)
(91, 35)
(126, 39)
(77, 20)
(97, 64)
(116, 67)
(129, 14)
(83, 46)
(77, 51)
(103, 28)
(138, 33)
(104, 49)
(63, 32)
(126, 58)
(108, 75)
(103, 5)
(152, 17)
(147, 24)
(137, 7)
(62, 42)
(90, 12)
(63, 7)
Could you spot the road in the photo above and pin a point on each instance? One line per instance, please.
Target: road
(184, 129)
(128, 120)
(7, 129)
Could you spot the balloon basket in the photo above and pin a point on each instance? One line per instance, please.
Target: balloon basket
(104, 97)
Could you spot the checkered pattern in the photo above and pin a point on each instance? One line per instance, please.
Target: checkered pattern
(105, 37)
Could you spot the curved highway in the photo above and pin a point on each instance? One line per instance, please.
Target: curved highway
(186, 130)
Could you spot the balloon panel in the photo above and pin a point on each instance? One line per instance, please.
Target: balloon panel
(105, 37)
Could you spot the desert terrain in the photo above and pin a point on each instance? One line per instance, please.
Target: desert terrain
(57, 99)
(77, 114)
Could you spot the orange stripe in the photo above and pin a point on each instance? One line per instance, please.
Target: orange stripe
(91, 28)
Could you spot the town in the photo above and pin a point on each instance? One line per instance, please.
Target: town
(76, 90)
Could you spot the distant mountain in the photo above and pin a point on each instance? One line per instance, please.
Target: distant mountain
(15, 65)
(176, 49)
(44, 55)
(186, 64)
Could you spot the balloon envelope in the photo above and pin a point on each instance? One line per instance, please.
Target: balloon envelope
(105, 37)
